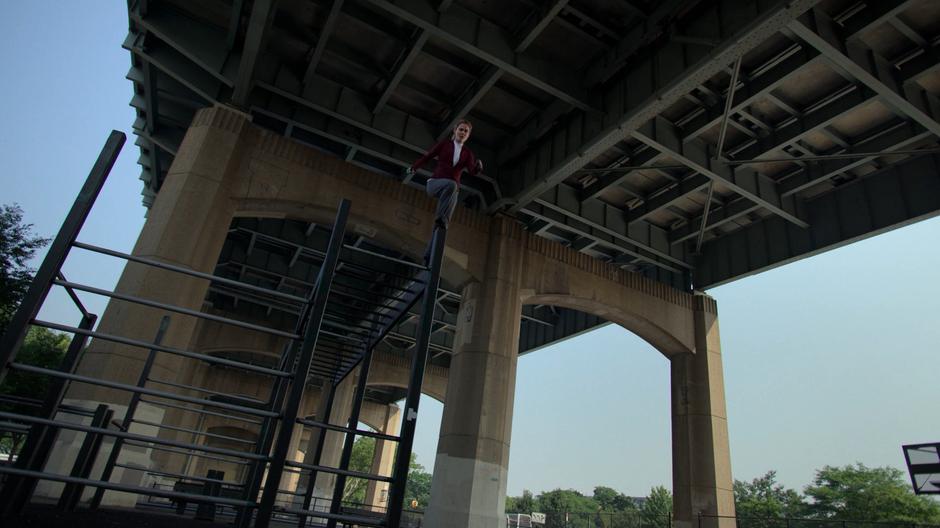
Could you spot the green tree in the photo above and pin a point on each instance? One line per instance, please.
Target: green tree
(568, 509)
(657, 508)
(525, 503)
(616, 509)
(764, 498)
(418, 486)
(17, 245)
(42, 348)
(361, 460)
(870, 494)
(611, 500)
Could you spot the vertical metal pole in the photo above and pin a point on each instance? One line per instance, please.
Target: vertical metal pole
(289, 416)
(350, 439)
(18, 490)
(266, 432)
(129, 413)
(708, 206)
(16, 331)
(407, 436)
(729, 102)
(85, 459)
(318, 454)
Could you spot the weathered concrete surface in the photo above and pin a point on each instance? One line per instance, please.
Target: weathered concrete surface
(701, 466)
(471, 468)
(228, 168)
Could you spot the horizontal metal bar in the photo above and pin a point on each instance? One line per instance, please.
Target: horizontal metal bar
(358, 432)
(193, 273)
(200, 433)
(183, 477)
(359, 310)
(629, 168)
(141, 390)
(20, 400)
(202, 411)
(369, 278)
(125, 488)
(386, 257)
(337, 471)
(828, 157)
(363, 299)
(161, 348)
(14, 427)
(340, 336)
(74, 296)
(205, 391)
(355, 520)
(369, 292)
(191, 452)
(177, 309)
(132, 436)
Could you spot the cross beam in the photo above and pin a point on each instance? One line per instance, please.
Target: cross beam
(648, 89)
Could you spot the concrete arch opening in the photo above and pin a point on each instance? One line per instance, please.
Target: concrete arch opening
(620, 442)
(637, 323)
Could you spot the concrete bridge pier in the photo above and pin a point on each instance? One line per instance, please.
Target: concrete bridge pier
(471, 468)
(701, 463)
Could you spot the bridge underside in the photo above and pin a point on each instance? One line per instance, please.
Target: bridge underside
(572, 100)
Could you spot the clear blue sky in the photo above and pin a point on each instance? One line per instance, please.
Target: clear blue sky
(830, 360)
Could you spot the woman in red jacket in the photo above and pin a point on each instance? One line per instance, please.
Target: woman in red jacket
(452, 158)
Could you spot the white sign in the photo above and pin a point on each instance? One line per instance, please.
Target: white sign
(538, 517)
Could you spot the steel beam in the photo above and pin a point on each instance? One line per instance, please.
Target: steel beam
(641, 35)
(170, 62)
(659, 79)
(486, 41)
(200, 43)
(896, 136)
(895, 196)
(412, 52)
(859, 61)
(262, 15)
(608, 224)
(352, 108)
(616, 177)
(672, 195)
(328, 25)
(664, 136)
(718, 217)
(538, 23)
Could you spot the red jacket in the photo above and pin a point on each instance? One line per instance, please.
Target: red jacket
(444, 151)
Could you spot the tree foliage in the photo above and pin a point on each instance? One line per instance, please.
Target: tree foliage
(361, 460)
(657, 508)
(418, 487)
(870, 494)
(612, 500)
(41, 348)
(764, 498)
(18, 244)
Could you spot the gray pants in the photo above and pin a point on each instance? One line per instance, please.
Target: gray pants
(446, 192)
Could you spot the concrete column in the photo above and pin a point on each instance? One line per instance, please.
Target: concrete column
(382, 460)
(186, 226)
(701, 461)
(470, 471)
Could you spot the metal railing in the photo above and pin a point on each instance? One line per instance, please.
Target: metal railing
(352, 306)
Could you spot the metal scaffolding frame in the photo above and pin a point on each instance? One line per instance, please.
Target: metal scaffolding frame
(334, 334)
